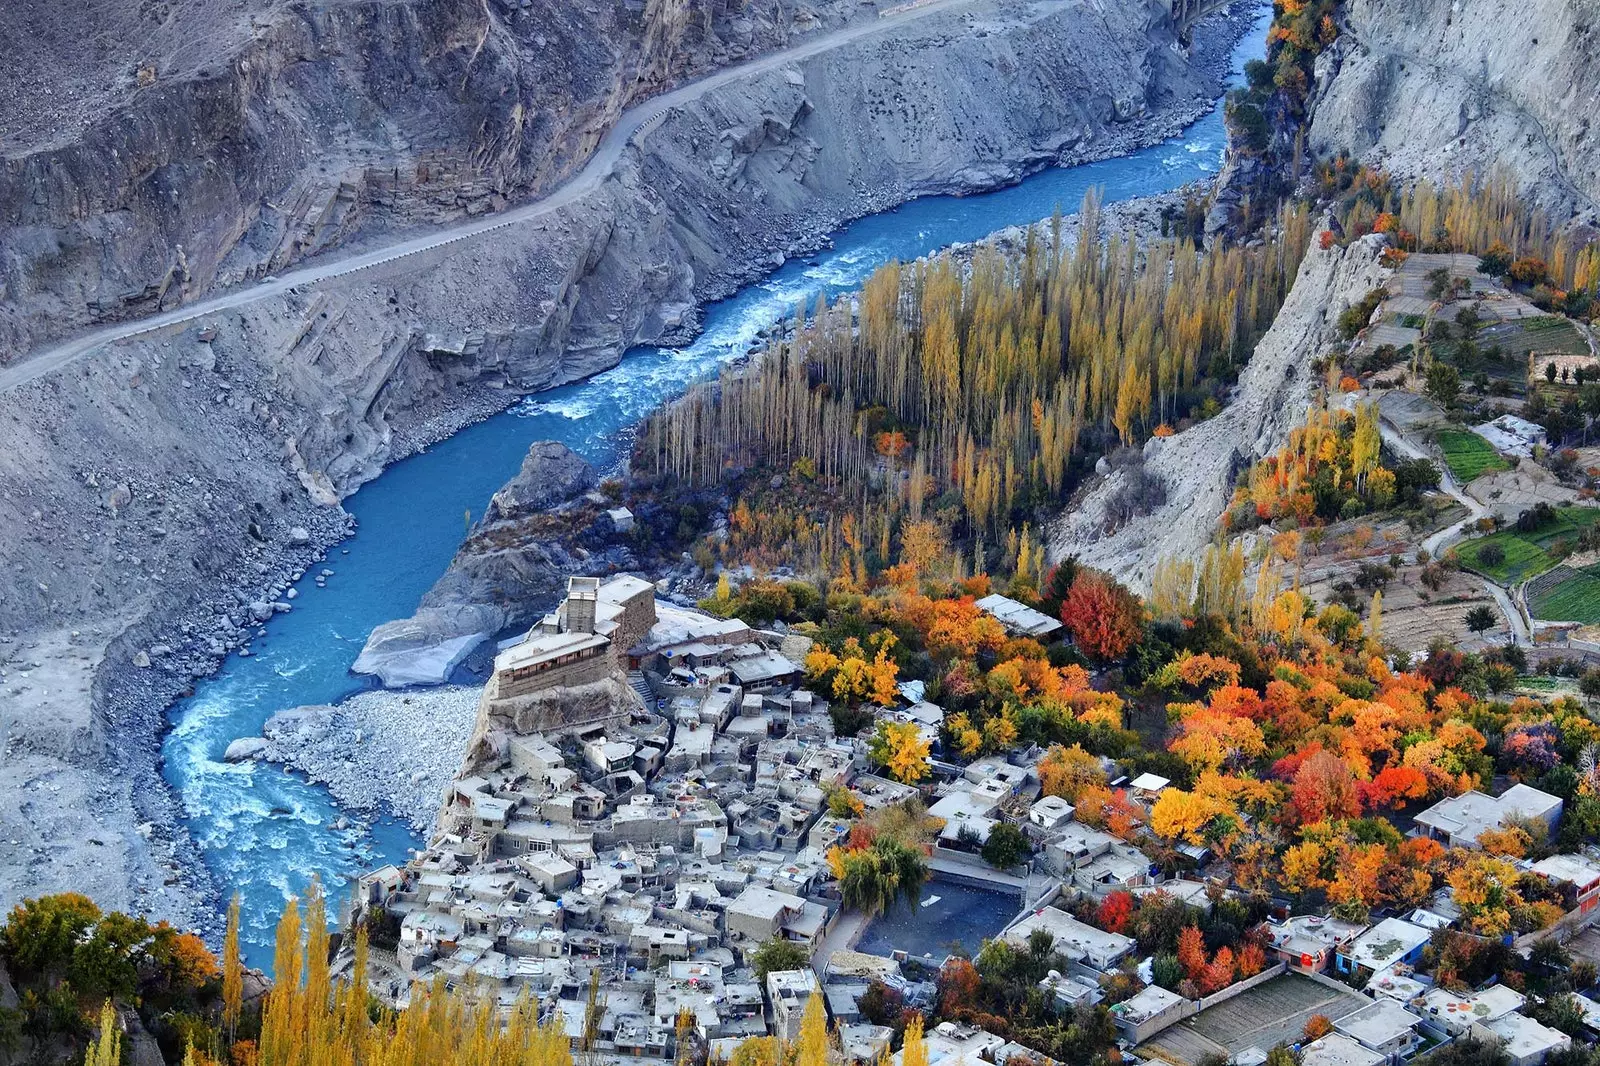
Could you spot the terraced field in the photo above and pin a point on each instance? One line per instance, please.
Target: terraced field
(1468, 454)
(1567, 595)
(1521, 559)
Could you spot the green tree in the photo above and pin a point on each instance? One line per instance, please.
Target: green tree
(40, 935)
(1007, 845)
(1480, 619)
(106, 964)
(1444, 383)
(778, 954)
(874, 878)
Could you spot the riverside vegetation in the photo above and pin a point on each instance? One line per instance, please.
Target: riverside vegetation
(969, 394)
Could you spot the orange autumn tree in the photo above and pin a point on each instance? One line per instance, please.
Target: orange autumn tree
(1066, 772)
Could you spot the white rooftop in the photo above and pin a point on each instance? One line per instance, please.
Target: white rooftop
(1074, 939)
(1386, 943)
(1458, 1010)
(1569, 869)
(1525, 1038)
(1470, 814)
(1377, 1023)
(1336, 1049)
(1018, 617)
(1148, 1002)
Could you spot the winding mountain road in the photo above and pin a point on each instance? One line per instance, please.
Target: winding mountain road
(1437, 542)
(634, 123)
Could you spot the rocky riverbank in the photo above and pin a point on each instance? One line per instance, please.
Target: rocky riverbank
(377, 752)
(160, 485)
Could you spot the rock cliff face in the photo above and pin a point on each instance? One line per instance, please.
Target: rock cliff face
(185, 146)
(155, 490)
(1438, 87)
(1197, 467)
(499, 572)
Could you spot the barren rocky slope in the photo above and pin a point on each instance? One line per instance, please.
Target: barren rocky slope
(157, 493)
(1197, 467)
(183, 145)
(1438, 87)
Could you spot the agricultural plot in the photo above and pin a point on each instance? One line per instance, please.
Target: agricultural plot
(1510, 557)
(1569, 522)
(1468, 455)
(1567, 595)
(1519, 337)
(1505, 557)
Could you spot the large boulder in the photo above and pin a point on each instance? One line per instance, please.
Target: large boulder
(551, 473)
(425, 648)
(244, 749)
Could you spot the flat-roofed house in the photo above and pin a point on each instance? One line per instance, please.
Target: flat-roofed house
(1573, 870)
(1078, 941)
(1524, 1041)
(1392, 942)
(1308, 942)
(1018, 619)
(1458, 821)
(1383, 1026)
(1336, 1049)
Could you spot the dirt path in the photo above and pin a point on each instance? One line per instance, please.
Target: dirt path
(1439, 541)
(633, 124)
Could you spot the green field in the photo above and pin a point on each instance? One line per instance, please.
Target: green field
(1570, 521)
(1468, 454)
(1576, 599)
(1524, 559)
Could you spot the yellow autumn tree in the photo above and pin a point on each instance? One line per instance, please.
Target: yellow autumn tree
(1186, 816)
(812, 1047)
(106, 1049)
(915, 1050)
(232, 971)
(1066, 772)
(900, 749)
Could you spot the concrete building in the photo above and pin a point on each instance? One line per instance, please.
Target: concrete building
(1149, 1011)
(1385, 1027)
(1524, 1041)
(790, 991)
(1391, 943)
(1458, 821)
(1575, 874)
(1336, 1049)
(1457, 1012)
(1309, 942)
(1076, 940)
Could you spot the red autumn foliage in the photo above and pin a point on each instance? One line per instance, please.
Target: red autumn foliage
(1104, 617)
(1115, 911)
(1393, 785)
(958, 987)
(1192, 952)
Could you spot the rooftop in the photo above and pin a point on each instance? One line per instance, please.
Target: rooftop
(1336, 1049)
(543, 647)
(1470, 814)
(1018, 617)
(1386, 943)
(1145, 1004)
(1378, 1024)
(1569, 869)
(1074, 939)
(1525, 1038)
